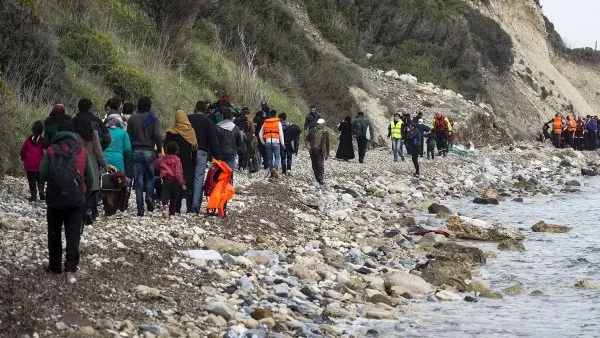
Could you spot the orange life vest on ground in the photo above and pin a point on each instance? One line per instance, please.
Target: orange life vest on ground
(271, 128)
(557, 124)
(223, 190)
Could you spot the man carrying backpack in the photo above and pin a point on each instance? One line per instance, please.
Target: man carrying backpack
(259, 120)
(291, 136)
(363, 133)
(68, 170)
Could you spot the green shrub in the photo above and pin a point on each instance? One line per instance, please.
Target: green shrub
(89, 47)
(128, 83)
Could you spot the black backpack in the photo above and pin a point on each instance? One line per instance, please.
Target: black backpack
(357, 129)
(65, 186)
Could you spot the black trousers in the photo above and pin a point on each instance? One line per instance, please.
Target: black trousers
(170, 194)
(34, 180)
(71, 219)
(263, 154)
(569, 138)
(441, 141)
(362, 148)
(91, 204)
(318, 164)
(415, 153)
(242, 160)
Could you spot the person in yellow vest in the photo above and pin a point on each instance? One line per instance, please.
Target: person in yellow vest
(395, 134)
(571, 128)
(271, 135)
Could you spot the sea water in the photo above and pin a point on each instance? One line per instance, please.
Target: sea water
(548, 270)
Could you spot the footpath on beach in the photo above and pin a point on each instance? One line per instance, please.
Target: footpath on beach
(292, 258)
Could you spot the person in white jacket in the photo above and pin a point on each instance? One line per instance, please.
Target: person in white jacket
(271, 135)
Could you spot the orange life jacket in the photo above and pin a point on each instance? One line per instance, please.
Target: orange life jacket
(571, 125)
(557, 124)
(440, 123)
(271, 128)
(223, 190)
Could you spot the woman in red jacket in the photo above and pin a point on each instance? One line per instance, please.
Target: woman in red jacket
(32, 153)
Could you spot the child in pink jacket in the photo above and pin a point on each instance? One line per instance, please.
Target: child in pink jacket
(32, 153)
(171, 174)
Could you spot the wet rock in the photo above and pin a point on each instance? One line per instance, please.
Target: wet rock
(453, 273)
(524, 185)
(380, 314)
(470, 299)
(447, 296)
(461, 253)
(399, 282)
(565, 163)
(491, 193)
(573, 183)
(518, 199)
(542, 226)
(511, 245)
(223, 245)
(588, 172)
(475, 229)
(584, 284)
(439, 210)
(485, 201)
(514, 290)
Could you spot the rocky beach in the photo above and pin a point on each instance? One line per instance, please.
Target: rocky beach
(292, 258)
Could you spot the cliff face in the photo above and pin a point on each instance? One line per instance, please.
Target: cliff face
(542, 81)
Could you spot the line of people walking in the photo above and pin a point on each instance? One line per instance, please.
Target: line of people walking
(579, 134)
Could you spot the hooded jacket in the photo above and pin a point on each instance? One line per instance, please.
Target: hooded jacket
(229, 137)
(32, 153)
(52, 124)
(144, 131)
(170, 168)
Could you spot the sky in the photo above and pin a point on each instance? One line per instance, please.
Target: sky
(577, 21)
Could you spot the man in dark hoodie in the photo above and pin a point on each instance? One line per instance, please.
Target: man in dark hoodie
(229, 140)
(144, 131)
(86, 124)
(58, 119)
(206, 136)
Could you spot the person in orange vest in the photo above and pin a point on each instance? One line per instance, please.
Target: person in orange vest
(442, 130)
(557, 126)
(271, 135)
(571, 128)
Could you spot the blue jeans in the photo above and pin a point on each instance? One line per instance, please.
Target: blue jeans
(272, 149)
(230, 160)
(199, 179)
(143, 168)
(397, 148)
(286, 159)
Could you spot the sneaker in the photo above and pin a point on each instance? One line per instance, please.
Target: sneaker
(140, 213)
(165, 211)
(70, 277)
(149, 204)
(87, 218)
(48, 270)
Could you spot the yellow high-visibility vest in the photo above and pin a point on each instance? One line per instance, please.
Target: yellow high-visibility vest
(396, 130)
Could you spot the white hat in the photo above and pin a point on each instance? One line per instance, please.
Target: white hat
(420, 121)
(320, 121)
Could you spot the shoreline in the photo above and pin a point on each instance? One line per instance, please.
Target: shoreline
(303, 260)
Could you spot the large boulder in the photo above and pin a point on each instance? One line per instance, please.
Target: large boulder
(524, 185)
(491, 192)
(400, 282)
(223, 245)
(588, 172)
(453, 273)
(451, 251)
(542, 226)
(470, 228)
(440, 210)
(479, 200)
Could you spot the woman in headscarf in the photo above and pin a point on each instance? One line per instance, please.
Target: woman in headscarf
(118, 153)
(345, 149)
(183, 134)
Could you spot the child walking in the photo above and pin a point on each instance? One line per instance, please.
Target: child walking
(171, 174)
(32, 153)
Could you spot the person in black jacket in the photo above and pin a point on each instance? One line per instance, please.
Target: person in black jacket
(413, 135)
(229, 140)
(345, 150)
(259, 120)
(207, 141)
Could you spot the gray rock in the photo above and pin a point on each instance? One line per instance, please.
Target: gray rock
(282, 290)
(438, 209)
(245, 283)
(347, 198)
(229, 258)
(470, 228)
(223, 245)
(542, 226)
(511, 245)
(221, 309)
(205, 255)
(479, 200)
(155, 329)
(588, 172)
